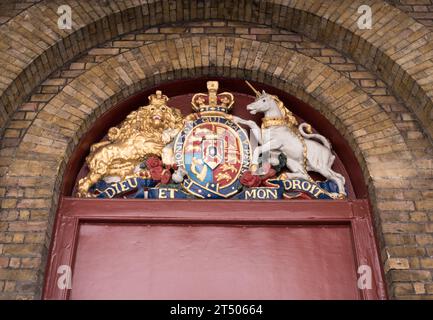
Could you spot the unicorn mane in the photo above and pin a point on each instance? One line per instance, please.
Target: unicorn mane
(286, 113)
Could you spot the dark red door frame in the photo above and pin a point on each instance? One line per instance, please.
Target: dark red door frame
(74, 212)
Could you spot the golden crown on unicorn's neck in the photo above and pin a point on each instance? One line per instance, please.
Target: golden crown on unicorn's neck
(213, 101)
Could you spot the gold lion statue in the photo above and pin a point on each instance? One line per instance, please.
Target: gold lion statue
(144, 132)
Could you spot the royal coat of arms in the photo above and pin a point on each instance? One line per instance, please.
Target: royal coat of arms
(157, 153)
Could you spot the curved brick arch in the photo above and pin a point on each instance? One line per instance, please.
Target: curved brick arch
(68, 114)
(403, 62)
(46, 147)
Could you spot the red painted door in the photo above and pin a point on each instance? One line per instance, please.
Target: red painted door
(125, 249)
(196, 261)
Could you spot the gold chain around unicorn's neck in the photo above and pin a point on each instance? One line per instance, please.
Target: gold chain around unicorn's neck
(272, 122)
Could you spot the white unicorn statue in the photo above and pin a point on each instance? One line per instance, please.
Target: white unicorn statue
(305, 151)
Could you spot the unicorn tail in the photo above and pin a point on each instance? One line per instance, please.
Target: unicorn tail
(306, 131)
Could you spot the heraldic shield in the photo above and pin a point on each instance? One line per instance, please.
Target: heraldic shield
(215, 152)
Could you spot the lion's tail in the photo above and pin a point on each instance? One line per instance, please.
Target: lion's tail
(306, 131)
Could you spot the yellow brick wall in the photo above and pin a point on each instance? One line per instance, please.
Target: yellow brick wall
(376, 90)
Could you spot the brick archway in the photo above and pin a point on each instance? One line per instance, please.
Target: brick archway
(381, 49)
(57, 128)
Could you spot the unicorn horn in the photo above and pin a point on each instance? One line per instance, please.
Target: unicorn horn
(255, 91)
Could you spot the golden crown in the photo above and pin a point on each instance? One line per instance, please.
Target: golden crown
(158, 99)
(213, 101)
